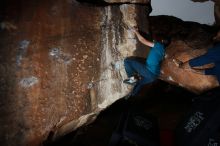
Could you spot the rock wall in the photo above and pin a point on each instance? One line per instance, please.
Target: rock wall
(61, 63)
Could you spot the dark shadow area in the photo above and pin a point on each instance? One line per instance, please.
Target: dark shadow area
(194, 34)
(165, 102)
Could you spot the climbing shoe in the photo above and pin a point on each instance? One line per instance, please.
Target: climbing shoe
(131, 81)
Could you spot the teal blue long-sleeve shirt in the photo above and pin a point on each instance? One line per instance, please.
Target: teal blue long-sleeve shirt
(155, 56)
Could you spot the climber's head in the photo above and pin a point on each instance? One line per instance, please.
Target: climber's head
(162, 38)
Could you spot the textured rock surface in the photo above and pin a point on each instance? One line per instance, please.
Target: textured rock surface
(188, 41)
(60, 65)
(187, 79)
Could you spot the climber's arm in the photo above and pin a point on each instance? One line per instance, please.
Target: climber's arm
(142, 39)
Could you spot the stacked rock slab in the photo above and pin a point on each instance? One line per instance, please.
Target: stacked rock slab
(61, 63)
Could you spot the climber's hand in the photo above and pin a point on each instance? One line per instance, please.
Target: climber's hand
(134, 29)
(178, 63)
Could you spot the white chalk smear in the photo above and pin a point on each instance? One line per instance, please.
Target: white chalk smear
(28, 82)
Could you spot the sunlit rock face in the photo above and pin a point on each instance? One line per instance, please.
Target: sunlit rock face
(189, 40)
(61, 63)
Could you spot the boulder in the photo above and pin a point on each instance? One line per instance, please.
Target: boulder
(61, 65)
(188, 40)
(181, 77)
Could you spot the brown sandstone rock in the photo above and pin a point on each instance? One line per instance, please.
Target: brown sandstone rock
(181, 77)
(61, 66)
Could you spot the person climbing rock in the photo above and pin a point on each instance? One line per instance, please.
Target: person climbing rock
(206, 64)
(141, 73)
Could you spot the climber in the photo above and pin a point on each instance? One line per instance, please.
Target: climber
(140, 73)
(207, 64)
